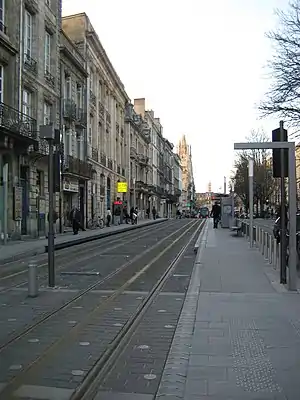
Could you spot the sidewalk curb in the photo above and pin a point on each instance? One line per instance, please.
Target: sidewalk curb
(76, 242)
(59, 246)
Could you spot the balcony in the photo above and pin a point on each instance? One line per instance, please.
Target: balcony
(30, 64)
(69, 109)
(80, 119)
(103, 159)
(40, 147)
(143, 160)
(77, 167)
(95, 154)
(110, 164)
(108, 118)
(18, 125)
(3, 28)
(93, 100)
(102, 191)
(101, 110)
(141, 186)
(49, 79)
(133, 153)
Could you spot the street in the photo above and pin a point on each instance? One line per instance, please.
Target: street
(136, 284)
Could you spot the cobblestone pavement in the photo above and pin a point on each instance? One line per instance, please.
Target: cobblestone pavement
(238, 336)
(54, 356)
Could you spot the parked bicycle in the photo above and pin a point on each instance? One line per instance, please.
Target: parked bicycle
(96, 222)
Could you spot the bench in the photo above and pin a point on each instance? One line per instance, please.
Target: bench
(237, 227)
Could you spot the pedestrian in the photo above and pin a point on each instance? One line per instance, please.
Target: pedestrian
(75, 218)
(216, 214)
(108, 217)
(154, 212)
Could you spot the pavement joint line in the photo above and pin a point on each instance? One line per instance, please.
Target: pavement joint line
(170, 385)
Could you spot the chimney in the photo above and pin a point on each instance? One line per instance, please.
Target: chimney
(139, 106)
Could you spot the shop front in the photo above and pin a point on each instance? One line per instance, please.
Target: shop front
(70, 198)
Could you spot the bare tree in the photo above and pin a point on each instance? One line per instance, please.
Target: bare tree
(283, 96)
(264, 183)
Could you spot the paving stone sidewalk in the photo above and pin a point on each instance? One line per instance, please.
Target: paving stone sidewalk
(15, 251)
(239, 333)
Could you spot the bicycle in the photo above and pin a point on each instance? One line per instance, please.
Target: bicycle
(96, 222)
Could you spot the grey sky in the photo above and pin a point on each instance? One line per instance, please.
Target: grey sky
(199, 64)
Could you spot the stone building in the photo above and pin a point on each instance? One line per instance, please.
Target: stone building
(188, 187)
(156, 151)
(177, 180)
(107, 139)
(29, 90)
(76, 171)
(140, 182)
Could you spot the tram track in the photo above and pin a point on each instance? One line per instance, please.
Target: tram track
(83, 252)
(152, 255)
(141, 266)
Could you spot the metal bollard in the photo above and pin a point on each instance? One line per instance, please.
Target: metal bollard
(32, 279)
(270, 248)
(275, 253)
(265, 253)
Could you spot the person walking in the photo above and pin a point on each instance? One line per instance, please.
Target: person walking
(75, 217)
(154, 212)
(216, 214)
(108, 217)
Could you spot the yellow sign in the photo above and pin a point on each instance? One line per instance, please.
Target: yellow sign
(122, 187)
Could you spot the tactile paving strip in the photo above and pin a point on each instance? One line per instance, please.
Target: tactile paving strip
(253, 369)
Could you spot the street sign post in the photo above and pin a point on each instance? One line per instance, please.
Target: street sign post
(292, 281)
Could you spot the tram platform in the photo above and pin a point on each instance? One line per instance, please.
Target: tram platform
(238, 336)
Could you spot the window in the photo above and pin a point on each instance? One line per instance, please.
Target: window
(28, 35)
(2, 26)
(26, 102)
(47, 51)
(1, 83)
(79, 95)
(91, 129)
(68, 88)
(47, 113)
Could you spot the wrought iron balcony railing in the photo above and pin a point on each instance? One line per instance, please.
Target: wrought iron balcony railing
(108, 118)
(69, 109)
(80, 119)
(93, 98)
(95, 154)
(3, 28)
(17, 123)
(30, 64)
(103, 159)
(49, 78)
(78, 167)
(101, 110)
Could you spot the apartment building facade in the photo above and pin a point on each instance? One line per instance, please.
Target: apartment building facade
(29, 95)
(140, 181)
(76, 170)
(107, 138)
